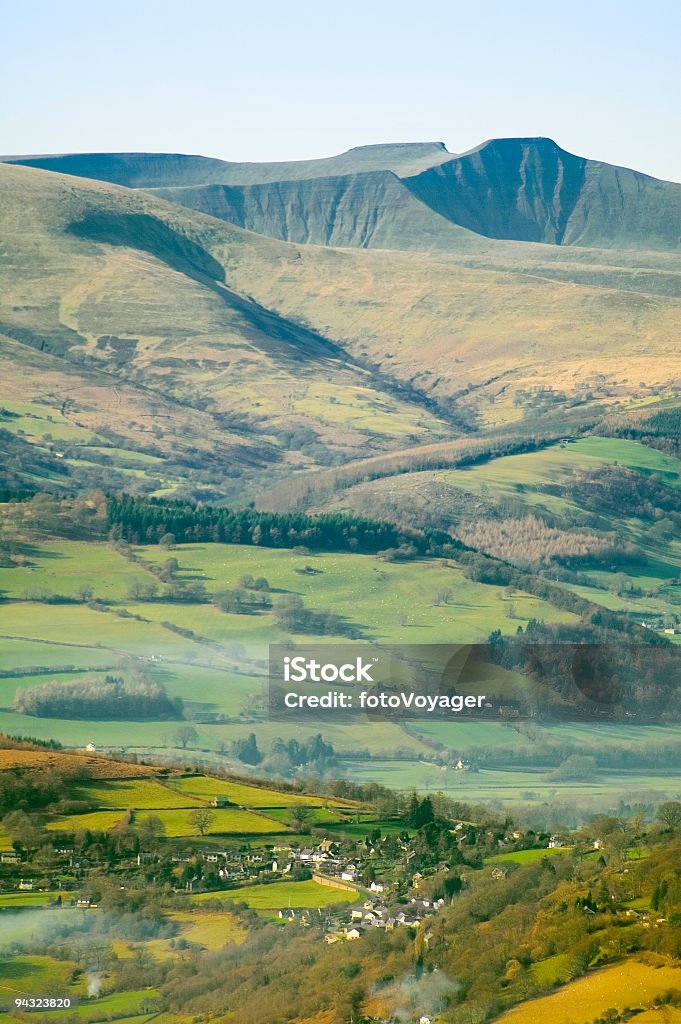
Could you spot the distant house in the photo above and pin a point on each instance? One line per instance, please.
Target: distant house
(354, 933)
(10, 857)
(221, 801)
(377, 887)
(26, 886)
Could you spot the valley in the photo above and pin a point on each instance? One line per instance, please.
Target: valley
(398, 396)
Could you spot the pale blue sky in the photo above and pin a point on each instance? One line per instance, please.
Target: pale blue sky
(286, 80)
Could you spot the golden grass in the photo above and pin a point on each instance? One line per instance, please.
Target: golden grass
(628, 984)
(95, 767)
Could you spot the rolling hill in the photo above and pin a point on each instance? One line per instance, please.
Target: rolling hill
(121, 330)
(151, 347)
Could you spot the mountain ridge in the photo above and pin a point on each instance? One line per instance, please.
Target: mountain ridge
(410, 195)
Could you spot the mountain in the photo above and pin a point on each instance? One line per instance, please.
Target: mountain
(370, 210)
(411, 196)
(165, 170)
(149, 346)
(532, 190)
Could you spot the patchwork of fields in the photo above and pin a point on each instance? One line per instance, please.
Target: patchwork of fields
(173, 803)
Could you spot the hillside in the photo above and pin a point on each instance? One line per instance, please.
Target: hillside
(122, 331)
(149, 346)
(371, 210)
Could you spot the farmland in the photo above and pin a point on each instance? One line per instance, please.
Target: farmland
(527, 856)
(257, 811)
(138, 794)
(631, 983)
(301, 895)
(210, 930)
(246, 796)
(224, 822)
(22, 900)
(100, 820)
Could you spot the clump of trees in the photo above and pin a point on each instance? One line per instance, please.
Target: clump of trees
(246, 750)
(111, 698)
(315, 754)
(291, 615)
(529, 541)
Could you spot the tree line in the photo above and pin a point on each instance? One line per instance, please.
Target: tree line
(156, 520)
(112, 699)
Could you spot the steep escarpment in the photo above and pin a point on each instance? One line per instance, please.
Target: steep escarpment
(371, 210)
(532, 190)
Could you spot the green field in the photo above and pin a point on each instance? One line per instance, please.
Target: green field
(58, 567)
(119, 1006)
(30, 975)
(527, 856)
(303, 895)
(224, 673)
(98, 821)
(17, 900)
(374, 594)
(225, 822)
(209, 929)
(552, 969)
(205, 788)
(137, 793)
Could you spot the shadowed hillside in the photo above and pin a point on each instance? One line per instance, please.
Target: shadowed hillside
(532, 190)
(370, 210)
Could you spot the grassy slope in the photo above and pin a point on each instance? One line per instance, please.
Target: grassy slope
(226, 674)
(528, 481)
(630, 983)
(220, 676)
(478, 325)
(90, 262)
(278, 894)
